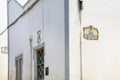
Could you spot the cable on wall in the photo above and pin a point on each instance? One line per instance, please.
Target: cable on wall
(16, 20)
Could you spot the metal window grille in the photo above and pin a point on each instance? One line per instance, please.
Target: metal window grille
(40, 65)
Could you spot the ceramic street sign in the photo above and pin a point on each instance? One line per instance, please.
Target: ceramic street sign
(90, 33)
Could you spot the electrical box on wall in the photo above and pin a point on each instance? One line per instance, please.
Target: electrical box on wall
(47, 71)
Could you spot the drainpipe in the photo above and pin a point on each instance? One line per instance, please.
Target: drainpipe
(30, 39)
(80, 5)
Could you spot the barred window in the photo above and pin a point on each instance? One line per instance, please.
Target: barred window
(40, 64)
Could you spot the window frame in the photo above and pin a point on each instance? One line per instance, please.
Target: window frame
(19, 66)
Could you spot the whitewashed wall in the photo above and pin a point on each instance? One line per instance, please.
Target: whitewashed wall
(101, 58)
(3, 41)
(74, 40)
(3, 66)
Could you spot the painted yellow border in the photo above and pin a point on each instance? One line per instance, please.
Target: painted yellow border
(84, 28)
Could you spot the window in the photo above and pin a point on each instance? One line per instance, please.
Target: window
(22, 2)
(40, 64)
(18, 62)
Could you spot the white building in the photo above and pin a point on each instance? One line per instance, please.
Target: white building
(3, 65)
(44, 40)
(101, 58)
(3, 41)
